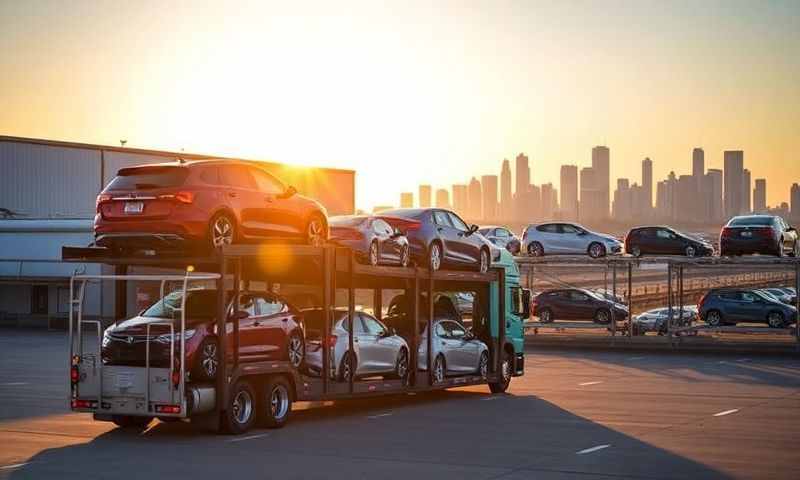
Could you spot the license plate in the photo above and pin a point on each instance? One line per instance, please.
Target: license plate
(134, 207)
(747, 234)
(124, 380)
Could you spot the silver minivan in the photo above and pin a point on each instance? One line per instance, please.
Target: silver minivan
(455, 351)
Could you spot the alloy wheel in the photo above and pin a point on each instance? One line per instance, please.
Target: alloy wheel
(242, 407)
(484, 265)
(316, 232)
(505, 368)
(222, 231)
(596, 250)
(544, 316)
(279, 402)
(483, 368)
(690, 251)
(209, 359)
(713, 318)
(347, 367)
(435, 256)
(637, 252)
(775, 320)
(438, 370)
(401, 369)
(404, 256)
(535, 249)
(602, 317)
(373, 253)
(296, 352)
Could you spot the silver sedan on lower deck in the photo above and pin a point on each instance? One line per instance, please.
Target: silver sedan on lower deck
(455, 351)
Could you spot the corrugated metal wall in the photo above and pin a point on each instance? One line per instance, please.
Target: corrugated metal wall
(43, 181)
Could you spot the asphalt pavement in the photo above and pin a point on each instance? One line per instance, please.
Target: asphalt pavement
(575, 414)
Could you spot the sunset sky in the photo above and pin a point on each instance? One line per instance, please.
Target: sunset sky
(412, 92)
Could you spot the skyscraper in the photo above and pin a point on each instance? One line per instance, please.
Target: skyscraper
(713, 189)
(647, 183)
(794, 201)
(700, 210)
(475, 200)
(569, 192)
(406, 200)
(602, 174)
(698, 163)
(548, 201)
(424, 196)
(442, 198)
(733, 182)
(506, 201)
(746, 203)
(489, 188)
(523, 180)
(460, 200)
(590, 201)
(621, 205)
(760, 196)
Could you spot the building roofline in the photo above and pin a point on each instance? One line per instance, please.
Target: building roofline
(143, 151)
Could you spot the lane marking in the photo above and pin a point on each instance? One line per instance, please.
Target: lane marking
(251, 437)
(379, 415)
(489, 398)
(589, 383)
(16, 465)
(726, 412)
(635, 358)
(13, 384)
(593, 449)
(743, 360)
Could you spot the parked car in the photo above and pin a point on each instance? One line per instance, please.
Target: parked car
(439, 238)
(560, 238)
(455, 351)
(762, 234)
(269, 329)
(373, 239)
(207, 203)
(780, 294)
(656, 320)
(377, 349)
(502, 237)
(729, 306)
(609, 295)
(662, 240)
(576, 304)
(792, 294)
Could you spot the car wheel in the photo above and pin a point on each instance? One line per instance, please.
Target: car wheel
(535, 249)
(483, 365)
(776, 320)
(401, 365)
(374, 256)
(545, 315)
(505, 375)
(315, 231)
(713, 318)
(690, 251)
(129, 421)
(346, 367)
(296, 349)
(780, 248)
(483, 261)
(602, 316)
(636, 252)
(206, 365)
(240, 414)
(439, 369)
(795, 250)
(435, 256)
(276, 398)
(405, 256)
(221, 231)
(596, 250)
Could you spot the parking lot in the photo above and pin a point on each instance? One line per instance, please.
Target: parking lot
(574, 414)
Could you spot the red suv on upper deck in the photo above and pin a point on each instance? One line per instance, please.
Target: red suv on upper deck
(209, 202)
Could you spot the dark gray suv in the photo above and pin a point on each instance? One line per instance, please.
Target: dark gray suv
(729, 306)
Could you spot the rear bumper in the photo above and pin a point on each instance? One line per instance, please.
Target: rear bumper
(739, 247)
(143, 240)
(146, 233)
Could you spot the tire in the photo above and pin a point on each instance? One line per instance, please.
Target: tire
(505, 375)
(276, 402)
(296, 349)
(405, 256)
(316, 231)
(636, 252)
(131, 421)
(781, 253)
(776, 320)
(439, 369)
(374, 256)
(713, 318)
(207, 364)
(483, 261)
(483, 365)
(795, 251)
(346, 367)
(596, 250)
(401, 365)
(546, 315)
(690, 251)
(221, 231)
(535, 249)
(435, 254)
(240, 412)
(602, 316)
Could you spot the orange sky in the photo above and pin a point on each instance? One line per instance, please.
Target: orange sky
(413, 92)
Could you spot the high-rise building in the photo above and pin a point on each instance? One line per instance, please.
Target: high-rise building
(591, 198)
(569, 192)
(461, 200)
(794, 201)
(621, 205)
(506, 199)
(746, 203)
(475, 200)
(700, 210)
(685, 205)
(523, 181)
(407, 200)
(647, 183)
(424, 196)
(713, 189)
(733, 182)
(442, 198)
(602, 174)
(760, 196)
(548, 203)
(698, 163)
(489, 188)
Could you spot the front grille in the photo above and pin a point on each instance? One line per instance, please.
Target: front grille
(118, 351)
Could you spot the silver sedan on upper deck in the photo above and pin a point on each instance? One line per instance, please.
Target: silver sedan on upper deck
(561, 238)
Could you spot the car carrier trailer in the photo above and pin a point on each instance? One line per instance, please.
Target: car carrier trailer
(133, 395)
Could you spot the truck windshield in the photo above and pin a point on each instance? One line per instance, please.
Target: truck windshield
(202, 304)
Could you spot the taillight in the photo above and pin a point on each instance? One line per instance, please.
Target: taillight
(413, 226)
(346, 234)
(332, 341)
(101, 199)
(765, 232)
(726, 232)
(181, 197)
(168, 409)
(74, 375)
(78, 403)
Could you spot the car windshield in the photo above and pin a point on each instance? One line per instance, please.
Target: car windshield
(739, 221)
(414, 214)
(596, 295)
(144, 178)
(346, 221)
(202, 304)
(766, 295)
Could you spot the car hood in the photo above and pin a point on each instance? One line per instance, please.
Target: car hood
(138, 325)
(606, 237)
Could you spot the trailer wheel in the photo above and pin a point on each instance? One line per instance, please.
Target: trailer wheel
(129, 421)
(505, 378)
(240, 412)
(276, 402)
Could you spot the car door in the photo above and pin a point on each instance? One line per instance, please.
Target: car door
(467, 350)
(582, 305)
(571, 239)
(388, 248)
(385, 347)
(273, 317)
(470, 244)
(249, 334)
(445, 345)
(547, 234)
(279, 214)
(667, 243)
(245, 200)
(369, 361)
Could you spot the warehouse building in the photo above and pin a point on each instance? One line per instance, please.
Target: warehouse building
(47, 199)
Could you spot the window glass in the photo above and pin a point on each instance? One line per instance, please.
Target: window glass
(665, 234)
(751, 221)
(380, 226)
(578, 296)
(458, 223)
(548, 228)
(237, 176)
(441, 218)
(516, 301)
(567, 228)
(267, 183)
(247, 303)
(270, 306)
(372, 325)
(440, 330)
(730, 296)
(143, 178)
(502, 233)
(209, 175)
(454, 330)
(748, 297)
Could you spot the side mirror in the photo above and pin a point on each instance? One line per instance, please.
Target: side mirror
(289, 192)
(397, 233)
(526, 303)
(240, 315)
(472, 229)
(141, 312)
(581, 233)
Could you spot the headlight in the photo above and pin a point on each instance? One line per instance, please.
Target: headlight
(107, 334)
(167, 337)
